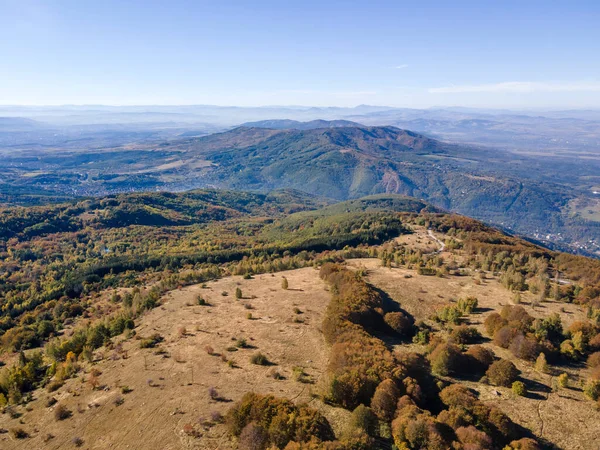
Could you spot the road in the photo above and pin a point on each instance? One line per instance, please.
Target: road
(440, 243)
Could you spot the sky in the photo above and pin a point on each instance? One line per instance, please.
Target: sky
(507, 54)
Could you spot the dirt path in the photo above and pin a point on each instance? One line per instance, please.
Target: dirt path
(440, 243)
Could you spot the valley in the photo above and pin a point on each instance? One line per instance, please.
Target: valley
(527, 195)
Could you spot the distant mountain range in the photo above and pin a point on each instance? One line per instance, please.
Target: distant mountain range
(338, 160)
(288, 124)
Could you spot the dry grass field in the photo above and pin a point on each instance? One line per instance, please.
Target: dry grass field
(178, 382)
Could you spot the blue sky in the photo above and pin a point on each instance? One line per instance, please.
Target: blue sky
(526, 54)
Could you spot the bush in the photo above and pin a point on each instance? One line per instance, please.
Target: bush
(422, 337)
(363, 418)
(253, 437)
(594, 343)
(19, 433)
(540, 364)
(279, 419)
(502, 373)
(399, 322)
(504, 336)
(384, 401)
(518, 388)
(563, 380)
(493, 323)
(54, 385)
(152, 341)
(465, 335)
(259, 359)
(445, 359)
(567, 349)
(238, 293)
(481, 357)
(471, 437)
(523, 444)
(525, 347)
(61, 412)
(467, 305)
(457, 395)
(465, 409)
(448, 315)
(591, 389)
(594, 360)
(414, 428)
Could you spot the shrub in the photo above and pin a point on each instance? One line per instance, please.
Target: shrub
(259, 359)
(493, 322)
(594, 343)
(448, 315)
(587, 329)
(502, 373)
(523, 444)
(540, 364)
(414, 428)
(61, 412)
(563, 380)
(504, 336)
(363, 418)
(284, 283)
(201, 301)
(457, 395)
(54, 385)
(19, 433)
(594, 360)
(445, 359)
(152, 341)
(422, 337)
(280, 419)
(399, 322)
(300, 375)
(253, 437)
(465, 335)
(213, 393)
(238, 293)
(467, 305)
(567, 349)
(482, 357)
(518, 388)
(591, 389)
(524, 347)
(471, 437)
(384, 401)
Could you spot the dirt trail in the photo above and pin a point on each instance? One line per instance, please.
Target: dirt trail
(440, 243)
